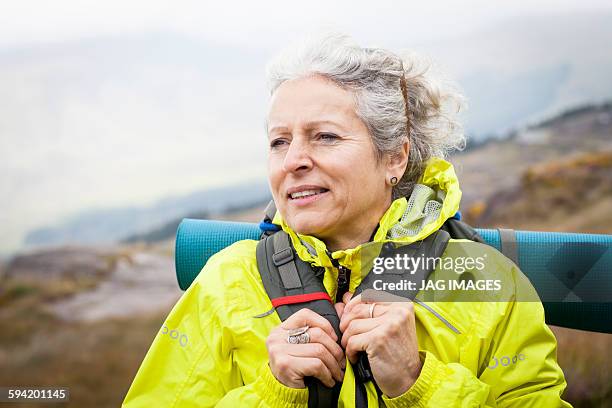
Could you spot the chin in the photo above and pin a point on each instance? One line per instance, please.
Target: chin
(307, 226)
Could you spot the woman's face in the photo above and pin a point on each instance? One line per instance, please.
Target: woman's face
(323, 171)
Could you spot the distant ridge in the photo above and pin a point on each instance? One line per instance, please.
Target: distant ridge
(116, 224)
(168, 230)
(514, 181)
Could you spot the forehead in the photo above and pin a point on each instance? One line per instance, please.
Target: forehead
(311, 99)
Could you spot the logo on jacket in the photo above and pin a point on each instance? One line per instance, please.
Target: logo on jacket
(505, 361)
(175, 335)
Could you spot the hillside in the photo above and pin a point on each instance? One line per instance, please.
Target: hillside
(571, 194)
(499, 164)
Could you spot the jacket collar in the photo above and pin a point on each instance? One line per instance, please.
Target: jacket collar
(439, 175)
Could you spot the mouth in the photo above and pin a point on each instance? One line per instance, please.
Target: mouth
(304, 194)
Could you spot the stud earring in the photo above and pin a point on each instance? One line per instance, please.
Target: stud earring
(393, 181)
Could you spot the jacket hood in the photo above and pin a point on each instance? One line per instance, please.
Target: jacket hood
(405, 221)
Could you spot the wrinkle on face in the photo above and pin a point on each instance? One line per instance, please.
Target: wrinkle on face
(303, 114)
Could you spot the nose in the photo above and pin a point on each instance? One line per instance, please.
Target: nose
(298, 157)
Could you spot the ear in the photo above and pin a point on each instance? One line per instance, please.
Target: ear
(396, 164)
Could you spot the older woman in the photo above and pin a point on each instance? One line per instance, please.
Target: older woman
(357, 138)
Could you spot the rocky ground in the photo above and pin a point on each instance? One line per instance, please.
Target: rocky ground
(143, 284)
(83, 318)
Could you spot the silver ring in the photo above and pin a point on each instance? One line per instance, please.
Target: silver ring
(298, 336)
(372, 310)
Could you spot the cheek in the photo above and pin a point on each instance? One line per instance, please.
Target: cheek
(367, 187)
(274, 173)
(367, 178)
(276, 176)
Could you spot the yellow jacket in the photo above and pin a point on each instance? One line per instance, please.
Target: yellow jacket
(211, 349)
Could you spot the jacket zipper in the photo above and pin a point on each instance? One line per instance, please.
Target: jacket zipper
(344, 278)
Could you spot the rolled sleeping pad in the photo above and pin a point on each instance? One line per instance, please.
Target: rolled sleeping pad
(574, 270)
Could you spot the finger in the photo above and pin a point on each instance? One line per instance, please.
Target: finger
(359, 326)
(356, 344)
(339, 308)
(277, 336)
(313, 367)
(307, 317)
(360, 311)
(349, 314)
(319, 351)
(347, 297)
(317, 335)
(352, 302)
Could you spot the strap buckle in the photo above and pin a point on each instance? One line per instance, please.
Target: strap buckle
(282, 257)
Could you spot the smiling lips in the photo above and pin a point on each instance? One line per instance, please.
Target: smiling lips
(302, 193)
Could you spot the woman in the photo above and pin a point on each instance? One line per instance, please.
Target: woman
(357, 138)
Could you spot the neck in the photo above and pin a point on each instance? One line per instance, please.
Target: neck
(359, 235)
(350, 242)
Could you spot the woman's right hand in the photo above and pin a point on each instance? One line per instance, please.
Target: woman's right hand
(321, 358)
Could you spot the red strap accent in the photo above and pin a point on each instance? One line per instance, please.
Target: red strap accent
(290, 300)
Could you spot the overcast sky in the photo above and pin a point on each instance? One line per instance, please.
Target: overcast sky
(30, 21)
(56, 156)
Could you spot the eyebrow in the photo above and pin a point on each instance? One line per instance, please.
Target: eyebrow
(309, 125)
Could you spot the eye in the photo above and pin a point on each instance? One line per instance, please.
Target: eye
(328, 137)
(277, 142)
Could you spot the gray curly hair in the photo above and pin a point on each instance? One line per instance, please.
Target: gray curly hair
(427, 118)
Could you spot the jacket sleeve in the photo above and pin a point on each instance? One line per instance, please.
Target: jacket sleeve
(518, 368)
(190, 364)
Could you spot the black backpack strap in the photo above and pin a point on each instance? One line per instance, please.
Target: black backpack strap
(270, 211)
(461, 230)
(432, 246)
(287, 279)
(284, 260)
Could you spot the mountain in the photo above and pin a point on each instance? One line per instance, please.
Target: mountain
(251, 211)
(114, 224)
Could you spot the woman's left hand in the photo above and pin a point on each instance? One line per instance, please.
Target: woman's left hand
(388, 338)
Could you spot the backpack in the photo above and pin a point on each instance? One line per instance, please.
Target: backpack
(293, 284)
